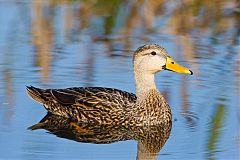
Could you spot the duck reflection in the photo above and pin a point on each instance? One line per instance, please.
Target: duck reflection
(105, 115)
(150, 138)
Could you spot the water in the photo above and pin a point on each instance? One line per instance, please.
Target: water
(53, 44)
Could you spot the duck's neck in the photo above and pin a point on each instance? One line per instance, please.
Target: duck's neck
(144, 82)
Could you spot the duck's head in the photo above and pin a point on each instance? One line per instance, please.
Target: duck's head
(152, 58)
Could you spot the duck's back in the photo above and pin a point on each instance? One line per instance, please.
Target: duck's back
(90, 104)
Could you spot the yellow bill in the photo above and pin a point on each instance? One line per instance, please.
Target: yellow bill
(171, 65)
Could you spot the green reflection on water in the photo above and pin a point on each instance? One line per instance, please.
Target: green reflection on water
(215, 130)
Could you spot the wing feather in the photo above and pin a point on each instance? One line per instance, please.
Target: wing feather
(86, 102)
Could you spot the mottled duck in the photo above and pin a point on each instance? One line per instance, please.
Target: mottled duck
(103, 106)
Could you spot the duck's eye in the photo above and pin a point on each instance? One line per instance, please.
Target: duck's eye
(153, 53)
(172, 62)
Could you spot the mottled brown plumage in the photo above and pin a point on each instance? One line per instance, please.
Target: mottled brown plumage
(96, 106)
(90, 104)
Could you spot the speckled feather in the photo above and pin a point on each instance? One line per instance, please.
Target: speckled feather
(105, 115)
(89, 104)
(113, 106)
(105, 106)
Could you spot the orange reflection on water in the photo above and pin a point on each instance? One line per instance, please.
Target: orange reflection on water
(42, 32)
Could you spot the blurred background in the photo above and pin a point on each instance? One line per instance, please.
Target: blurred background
(64, 43)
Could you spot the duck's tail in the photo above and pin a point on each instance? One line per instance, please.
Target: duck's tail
(36, 93)
(37, 126)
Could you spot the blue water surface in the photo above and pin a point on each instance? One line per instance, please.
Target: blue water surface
(59, 44)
